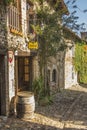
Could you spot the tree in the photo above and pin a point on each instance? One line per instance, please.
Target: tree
(49, 32)
(51, 20)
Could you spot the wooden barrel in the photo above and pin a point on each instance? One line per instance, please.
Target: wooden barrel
(25, 105)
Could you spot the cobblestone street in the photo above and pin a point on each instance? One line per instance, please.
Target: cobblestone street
(67, 112)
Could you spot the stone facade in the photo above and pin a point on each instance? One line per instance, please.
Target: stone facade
(4, 99)
(70, 73)
(65, 75)
(15, 50)
(13, 46)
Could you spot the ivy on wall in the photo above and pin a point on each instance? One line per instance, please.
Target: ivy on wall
(80, 61)
(6, 2)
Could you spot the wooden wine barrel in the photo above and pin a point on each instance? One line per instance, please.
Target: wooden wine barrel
(25, 105)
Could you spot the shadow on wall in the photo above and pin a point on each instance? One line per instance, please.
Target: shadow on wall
(12, 108)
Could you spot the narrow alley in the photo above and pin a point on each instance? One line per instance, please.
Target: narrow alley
(67, 112)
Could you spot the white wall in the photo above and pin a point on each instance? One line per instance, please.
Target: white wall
(11, 75)
(70, 74)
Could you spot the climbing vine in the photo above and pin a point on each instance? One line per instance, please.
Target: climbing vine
(80, 61)
(6, 2)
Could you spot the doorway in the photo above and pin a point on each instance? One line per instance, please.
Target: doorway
(2, 85)
(24, 66)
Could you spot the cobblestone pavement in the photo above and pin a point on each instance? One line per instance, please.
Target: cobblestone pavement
(67, 112)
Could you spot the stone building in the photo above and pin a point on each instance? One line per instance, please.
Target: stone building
(61, 69)
(19, 64)
(84, 36)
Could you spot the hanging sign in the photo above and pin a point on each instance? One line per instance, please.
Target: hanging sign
(33, 45)
(10, 56)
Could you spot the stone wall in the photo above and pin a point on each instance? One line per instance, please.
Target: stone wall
(56, 63)
(70, 73)
(3, 29)
(3, 51)
(15, 43)
(66, 75)
(12, 42)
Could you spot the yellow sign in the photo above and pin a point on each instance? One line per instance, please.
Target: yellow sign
(33, 45)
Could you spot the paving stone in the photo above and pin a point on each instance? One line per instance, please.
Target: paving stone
(70, 104)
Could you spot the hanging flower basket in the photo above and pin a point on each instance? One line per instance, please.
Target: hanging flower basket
(16, 32)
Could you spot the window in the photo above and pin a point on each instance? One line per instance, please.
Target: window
(14, 17)
(54, 75)
(26, 69)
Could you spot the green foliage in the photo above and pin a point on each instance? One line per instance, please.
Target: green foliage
(38, 88)
(80, 61)
(49, 30)
(78, 56)
(7, 2)
(46, 100)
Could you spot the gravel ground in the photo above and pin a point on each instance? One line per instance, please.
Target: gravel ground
(67, 112)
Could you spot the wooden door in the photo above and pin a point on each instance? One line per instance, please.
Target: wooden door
(24, 73)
